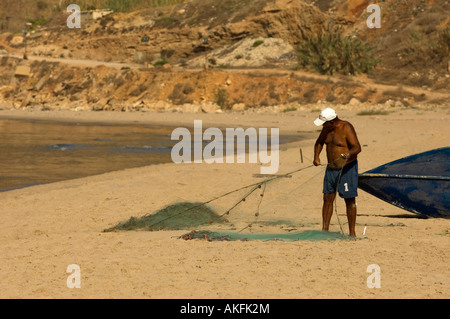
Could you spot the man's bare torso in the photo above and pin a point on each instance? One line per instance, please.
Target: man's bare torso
(338, 138)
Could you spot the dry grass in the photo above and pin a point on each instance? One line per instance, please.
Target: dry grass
(373, 112)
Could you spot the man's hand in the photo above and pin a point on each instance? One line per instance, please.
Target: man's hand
(316, 162)
(345, 156)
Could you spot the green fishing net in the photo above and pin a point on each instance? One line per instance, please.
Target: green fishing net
(313, 235)
(257, 211)
(177, 216)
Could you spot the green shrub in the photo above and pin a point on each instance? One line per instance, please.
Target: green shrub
(165, 22)
(222, 99)
(289, 109)
(420, 48)
(373, 112)
(416, 46)
(221, 66)
(257, 43)
(37, 22)
(129, 5)
(442, 47)
(333, 53)
(161, 62)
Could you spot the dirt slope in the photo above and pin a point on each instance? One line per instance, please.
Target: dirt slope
(241, 72)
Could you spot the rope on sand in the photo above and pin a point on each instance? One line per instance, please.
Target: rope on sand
(253, 187)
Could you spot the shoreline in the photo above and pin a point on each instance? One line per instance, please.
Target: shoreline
(112, 118)
(167, 119)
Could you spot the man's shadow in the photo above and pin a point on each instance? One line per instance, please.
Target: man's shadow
(407, 216)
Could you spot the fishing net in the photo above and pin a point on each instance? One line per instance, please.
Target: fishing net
(313, 235)
(177, 216)
(272, 208)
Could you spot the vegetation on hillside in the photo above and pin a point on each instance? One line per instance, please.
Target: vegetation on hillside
(333, 53)
(125, 5)
(421, 47)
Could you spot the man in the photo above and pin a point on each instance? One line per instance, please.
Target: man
(341, 175)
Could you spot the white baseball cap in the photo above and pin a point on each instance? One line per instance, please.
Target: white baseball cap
(327, 114)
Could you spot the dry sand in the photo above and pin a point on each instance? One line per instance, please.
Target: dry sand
(46, 228)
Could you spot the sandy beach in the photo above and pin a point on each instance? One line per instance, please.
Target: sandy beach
(48, 227)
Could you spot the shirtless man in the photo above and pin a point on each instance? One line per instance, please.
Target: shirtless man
(342, 150)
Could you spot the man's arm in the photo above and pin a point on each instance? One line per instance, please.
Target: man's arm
(318, 148)
(354, 148)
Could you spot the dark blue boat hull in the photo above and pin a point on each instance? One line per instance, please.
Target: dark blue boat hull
(419, 183)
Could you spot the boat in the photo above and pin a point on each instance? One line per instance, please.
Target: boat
(418, 183)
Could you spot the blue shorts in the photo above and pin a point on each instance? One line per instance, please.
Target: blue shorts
(348, 182)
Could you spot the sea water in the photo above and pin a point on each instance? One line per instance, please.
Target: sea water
(37, 151)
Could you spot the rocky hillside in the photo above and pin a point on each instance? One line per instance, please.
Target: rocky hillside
(155, 57)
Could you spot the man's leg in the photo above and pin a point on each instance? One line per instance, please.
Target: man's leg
(351, 215)
(327, 210)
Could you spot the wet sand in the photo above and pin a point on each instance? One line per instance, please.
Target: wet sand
(45, 228)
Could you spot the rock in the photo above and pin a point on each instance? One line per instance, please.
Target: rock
(58, 90)
(140, 57)
(26, 100)
(398, 104)
(23, 70)
(82, 108)
(389, 102)
(354, 101)
(191, 108)
(161, 106)
(244, 53)
(17, 40)
(41, 82)
(238, 107)
(97, 107)
(148, 65)
(210, 108)
(101, 104)
(137, 106)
